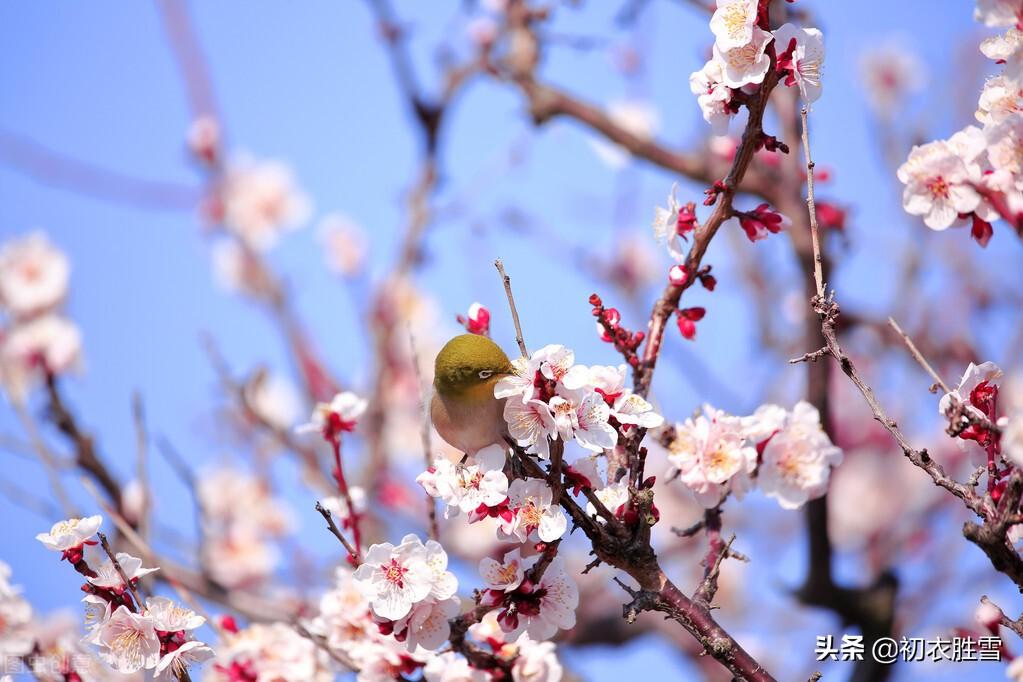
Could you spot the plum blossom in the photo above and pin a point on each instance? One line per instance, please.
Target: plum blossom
(272, 651)
(344, 243)
(505, 575)
(797, 460)
(339, 508)
(890, 72)
(1005, 49)
(668, 224)
(625, 406)
(535, 517)
(128, 641)
(747, 64)
(998, 12)
(536, 661)
(1001, 98)
(187, 654)
(477, 320)
(937, 186)
(33, 275)
(393, 579)
(17, 636)
(464, 487)
(712, 455)
(733, 23)
(585, 420)
(974, 377)
(544, 608)
(70, 534)
(613, 496)
(49, 343)
(427, 624)
(274, 400)
(336, 417)
(108, 577)
(531, 424)
(451, 667)
(260, 201)
(801, 56)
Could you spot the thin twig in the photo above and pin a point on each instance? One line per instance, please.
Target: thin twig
(511, 304)
(332, 527)
(818, 276)
(120, 571)
(141, 462)
(918, 356)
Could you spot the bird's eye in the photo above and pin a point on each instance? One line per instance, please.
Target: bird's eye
(485, 374)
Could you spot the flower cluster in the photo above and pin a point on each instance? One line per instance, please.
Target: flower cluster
(16, 636)
(410, 591)
(786, 453)
(35, 339)
(550, 397)
(742, 58)
(538, 608)
(241, 520)
(269, 651)
(975, 177)
(131, 634)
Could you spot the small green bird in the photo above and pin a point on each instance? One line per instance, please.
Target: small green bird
(463, 409)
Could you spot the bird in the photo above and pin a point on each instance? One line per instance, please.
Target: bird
(463, 407)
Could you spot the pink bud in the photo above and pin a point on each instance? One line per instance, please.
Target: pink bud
(678, 275)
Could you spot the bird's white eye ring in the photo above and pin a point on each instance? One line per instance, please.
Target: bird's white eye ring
(485, 374)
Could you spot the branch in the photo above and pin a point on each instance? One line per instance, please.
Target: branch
(332, 527)
(511, 305)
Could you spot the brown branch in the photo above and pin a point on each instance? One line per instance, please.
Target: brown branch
(53, 168)
(120, 571)
(1014, 625)
(511, 305)
(918, 356)
(669, 300)
(818, 277)
(332, 527)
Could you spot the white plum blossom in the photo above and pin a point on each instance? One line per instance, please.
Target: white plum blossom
(452, 667)
(108, 577)
(464, 487)
(505, 575)
(345, 245)
(171, 617)
(1005, 49)
(1001, 98)
(666, 225)
(260, 201)
(612, 497)
(996, 13)
(712, 456)
(890, 72)
(241, 557)
(713, 96)
(274, 400)
(33, 275)
(337, 416)
(272, 651)
(974, 376)
(174, 662)
(557, 363)
(427, 624)
(339, 507)
(127, 641)
(49, 343)
(801, 51)
(536, 518)
(797, 460)
(937, 185)
(530, 424)
(17, 636)
(585, 420)
(555, 608)
(393, 579)
(536, 661)
(745, 65)
(70, 534)
(626, 406)
(733, 23)
(1005, 154)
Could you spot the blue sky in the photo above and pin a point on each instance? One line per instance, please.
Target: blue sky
(309, 83)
